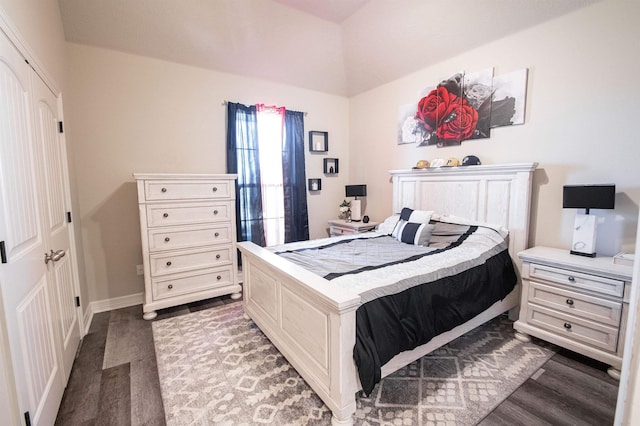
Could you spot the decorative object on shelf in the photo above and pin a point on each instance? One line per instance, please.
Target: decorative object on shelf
(345, 210)
(318, 141)
(356, 191)
(584, 228)
(471, 160)
(330, 166)
(422, 164)
(462, 107)
(315, 184)
(452, 162)
(365, 219)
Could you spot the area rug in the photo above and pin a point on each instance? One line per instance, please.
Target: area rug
(217, 368)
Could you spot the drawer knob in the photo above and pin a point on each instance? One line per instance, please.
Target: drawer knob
(219, 277)
(215, 212)
(217, 256)
(167, 239)
(215, 189)
(170, 286)
(164, 190)
(165, 215)
(567, 326)
(570, 302)
(217, 234)
(571, 278)
(169, 263)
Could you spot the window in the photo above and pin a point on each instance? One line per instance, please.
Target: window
(265, 148)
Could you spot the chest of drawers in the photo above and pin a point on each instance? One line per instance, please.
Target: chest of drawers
(187, 224)
(576, 302)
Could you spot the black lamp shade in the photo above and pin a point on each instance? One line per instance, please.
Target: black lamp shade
(356, 190)
(588, 196)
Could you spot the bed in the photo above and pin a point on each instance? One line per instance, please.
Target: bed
(313, 323)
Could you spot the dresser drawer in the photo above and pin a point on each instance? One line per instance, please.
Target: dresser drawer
(183, 214)
(187, 190)
(572, 303)
(336, 230)
(574, 328)
(188, 236)
(164, 263)
(578, 280)
(168, 287)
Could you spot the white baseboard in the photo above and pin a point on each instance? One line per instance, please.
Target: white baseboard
(105, 305)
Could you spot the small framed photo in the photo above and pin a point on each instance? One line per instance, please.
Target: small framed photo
(315, 184)
(330, 166)
(318, 141)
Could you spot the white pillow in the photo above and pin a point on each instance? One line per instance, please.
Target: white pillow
(389, 224)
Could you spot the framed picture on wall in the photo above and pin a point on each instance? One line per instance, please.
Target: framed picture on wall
(318, 141)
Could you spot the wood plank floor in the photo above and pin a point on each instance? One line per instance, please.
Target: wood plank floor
(114, 380)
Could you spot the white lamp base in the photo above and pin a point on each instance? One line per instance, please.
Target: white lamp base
(356, 215)
(584, 235)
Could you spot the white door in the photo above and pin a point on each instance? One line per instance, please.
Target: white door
(24, 277)
(57, 227)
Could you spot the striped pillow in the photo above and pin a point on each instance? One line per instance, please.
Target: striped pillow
(417, 234)
(410, 215)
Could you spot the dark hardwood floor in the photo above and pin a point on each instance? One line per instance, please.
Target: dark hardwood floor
(114, 380)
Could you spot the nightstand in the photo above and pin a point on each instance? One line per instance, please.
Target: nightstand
(342, 227)
(576, 302)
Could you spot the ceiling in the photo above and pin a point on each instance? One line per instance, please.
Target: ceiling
(342, 47)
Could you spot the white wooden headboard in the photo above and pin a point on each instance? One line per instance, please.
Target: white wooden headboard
(497, 194)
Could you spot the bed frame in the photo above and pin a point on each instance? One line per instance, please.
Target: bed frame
(313, 324)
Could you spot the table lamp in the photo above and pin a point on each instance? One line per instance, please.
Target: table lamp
(356, 191)
(587, 197)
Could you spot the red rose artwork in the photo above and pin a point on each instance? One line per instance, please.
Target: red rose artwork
(458, 109)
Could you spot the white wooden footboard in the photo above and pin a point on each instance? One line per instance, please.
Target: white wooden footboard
(310, 323)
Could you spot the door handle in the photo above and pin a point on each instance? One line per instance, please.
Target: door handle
(53, 256)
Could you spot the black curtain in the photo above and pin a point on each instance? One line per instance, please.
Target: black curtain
(243, 160)
(296, 220)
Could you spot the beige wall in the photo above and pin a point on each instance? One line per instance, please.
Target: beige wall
(582, 106)
(135, 114)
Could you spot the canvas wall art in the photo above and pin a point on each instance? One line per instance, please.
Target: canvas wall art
(462, 107)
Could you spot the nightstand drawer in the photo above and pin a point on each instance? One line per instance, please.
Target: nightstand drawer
(335, 231)
(175, 286)
(183, 214)
(186, 237)
(182, 261)
(574, 328)
(578, 280)
(572, 303)
(185, 190)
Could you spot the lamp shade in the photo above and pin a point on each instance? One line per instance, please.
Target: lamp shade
(356, 190)
(588, 196)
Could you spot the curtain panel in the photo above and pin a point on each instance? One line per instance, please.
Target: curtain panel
(243, 160)
(296, 220)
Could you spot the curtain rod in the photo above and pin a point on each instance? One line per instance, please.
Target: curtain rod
(224, 103)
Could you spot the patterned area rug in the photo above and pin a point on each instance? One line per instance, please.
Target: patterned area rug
(216, 367)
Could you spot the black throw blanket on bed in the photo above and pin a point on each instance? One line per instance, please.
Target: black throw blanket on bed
(392, 324)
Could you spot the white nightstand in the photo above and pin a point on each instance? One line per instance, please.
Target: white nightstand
(576, 302)
(342, 227)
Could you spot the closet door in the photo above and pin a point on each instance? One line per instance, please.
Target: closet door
(24, 277)
(55, 185)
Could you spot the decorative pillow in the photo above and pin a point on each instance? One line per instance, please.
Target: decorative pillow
(388, 225)
(410, 215)
(417, 234)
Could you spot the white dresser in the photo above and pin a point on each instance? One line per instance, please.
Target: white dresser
(576, 302)
(342, 227)
(187, 225)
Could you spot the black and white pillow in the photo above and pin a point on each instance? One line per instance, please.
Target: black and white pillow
(413, 227)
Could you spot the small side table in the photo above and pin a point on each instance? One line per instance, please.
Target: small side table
(342, 227)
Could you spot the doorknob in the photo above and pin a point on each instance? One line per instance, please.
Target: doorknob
(53, 256)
